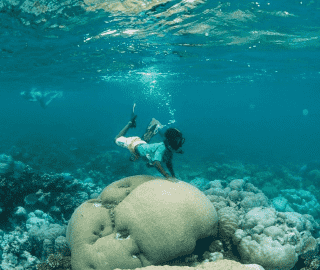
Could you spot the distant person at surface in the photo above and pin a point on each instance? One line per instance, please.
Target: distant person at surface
(154, 153)
(43, 98)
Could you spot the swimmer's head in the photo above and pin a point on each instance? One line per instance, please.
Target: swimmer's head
(174, 138)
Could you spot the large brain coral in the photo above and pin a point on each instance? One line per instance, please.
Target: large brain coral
(218, 265)
(139, 221)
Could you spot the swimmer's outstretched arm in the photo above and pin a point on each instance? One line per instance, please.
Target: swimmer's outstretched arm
(157, 164)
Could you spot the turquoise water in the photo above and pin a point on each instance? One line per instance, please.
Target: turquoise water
(239, 78)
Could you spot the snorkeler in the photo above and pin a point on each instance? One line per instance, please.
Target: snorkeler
(154, 153)
(43, 98)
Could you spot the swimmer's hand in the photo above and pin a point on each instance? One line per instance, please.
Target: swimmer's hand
(133, 157)
(172, 179)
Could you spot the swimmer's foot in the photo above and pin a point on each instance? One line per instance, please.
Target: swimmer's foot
(132, 122)
(152, 130)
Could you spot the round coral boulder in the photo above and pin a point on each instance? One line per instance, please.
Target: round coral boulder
(139, 221)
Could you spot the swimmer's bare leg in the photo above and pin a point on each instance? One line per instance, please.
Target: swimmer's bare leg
(133, 117)
(131, 124)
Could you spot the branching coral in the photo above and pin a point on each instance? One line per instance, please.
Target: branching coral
(55, 262)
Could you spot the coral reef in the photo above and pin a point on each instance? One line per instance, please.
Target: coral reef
(261, 242)
(251, 231)
(267, 252)
(226, 171)
(312, 264)
(55, 261)
(314, 176)
(37, 206)
(43, 232)
(27, 245)
(29, 234)
(16, 250)
(266, 238)
(300, 201)
(57, 194)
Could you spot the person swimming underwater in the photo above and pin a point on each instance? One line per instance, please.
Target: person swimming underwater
(44, 99)
(154, 153)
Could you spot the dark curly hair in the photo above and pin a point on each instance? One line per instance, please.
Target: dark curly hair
(174, 138)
